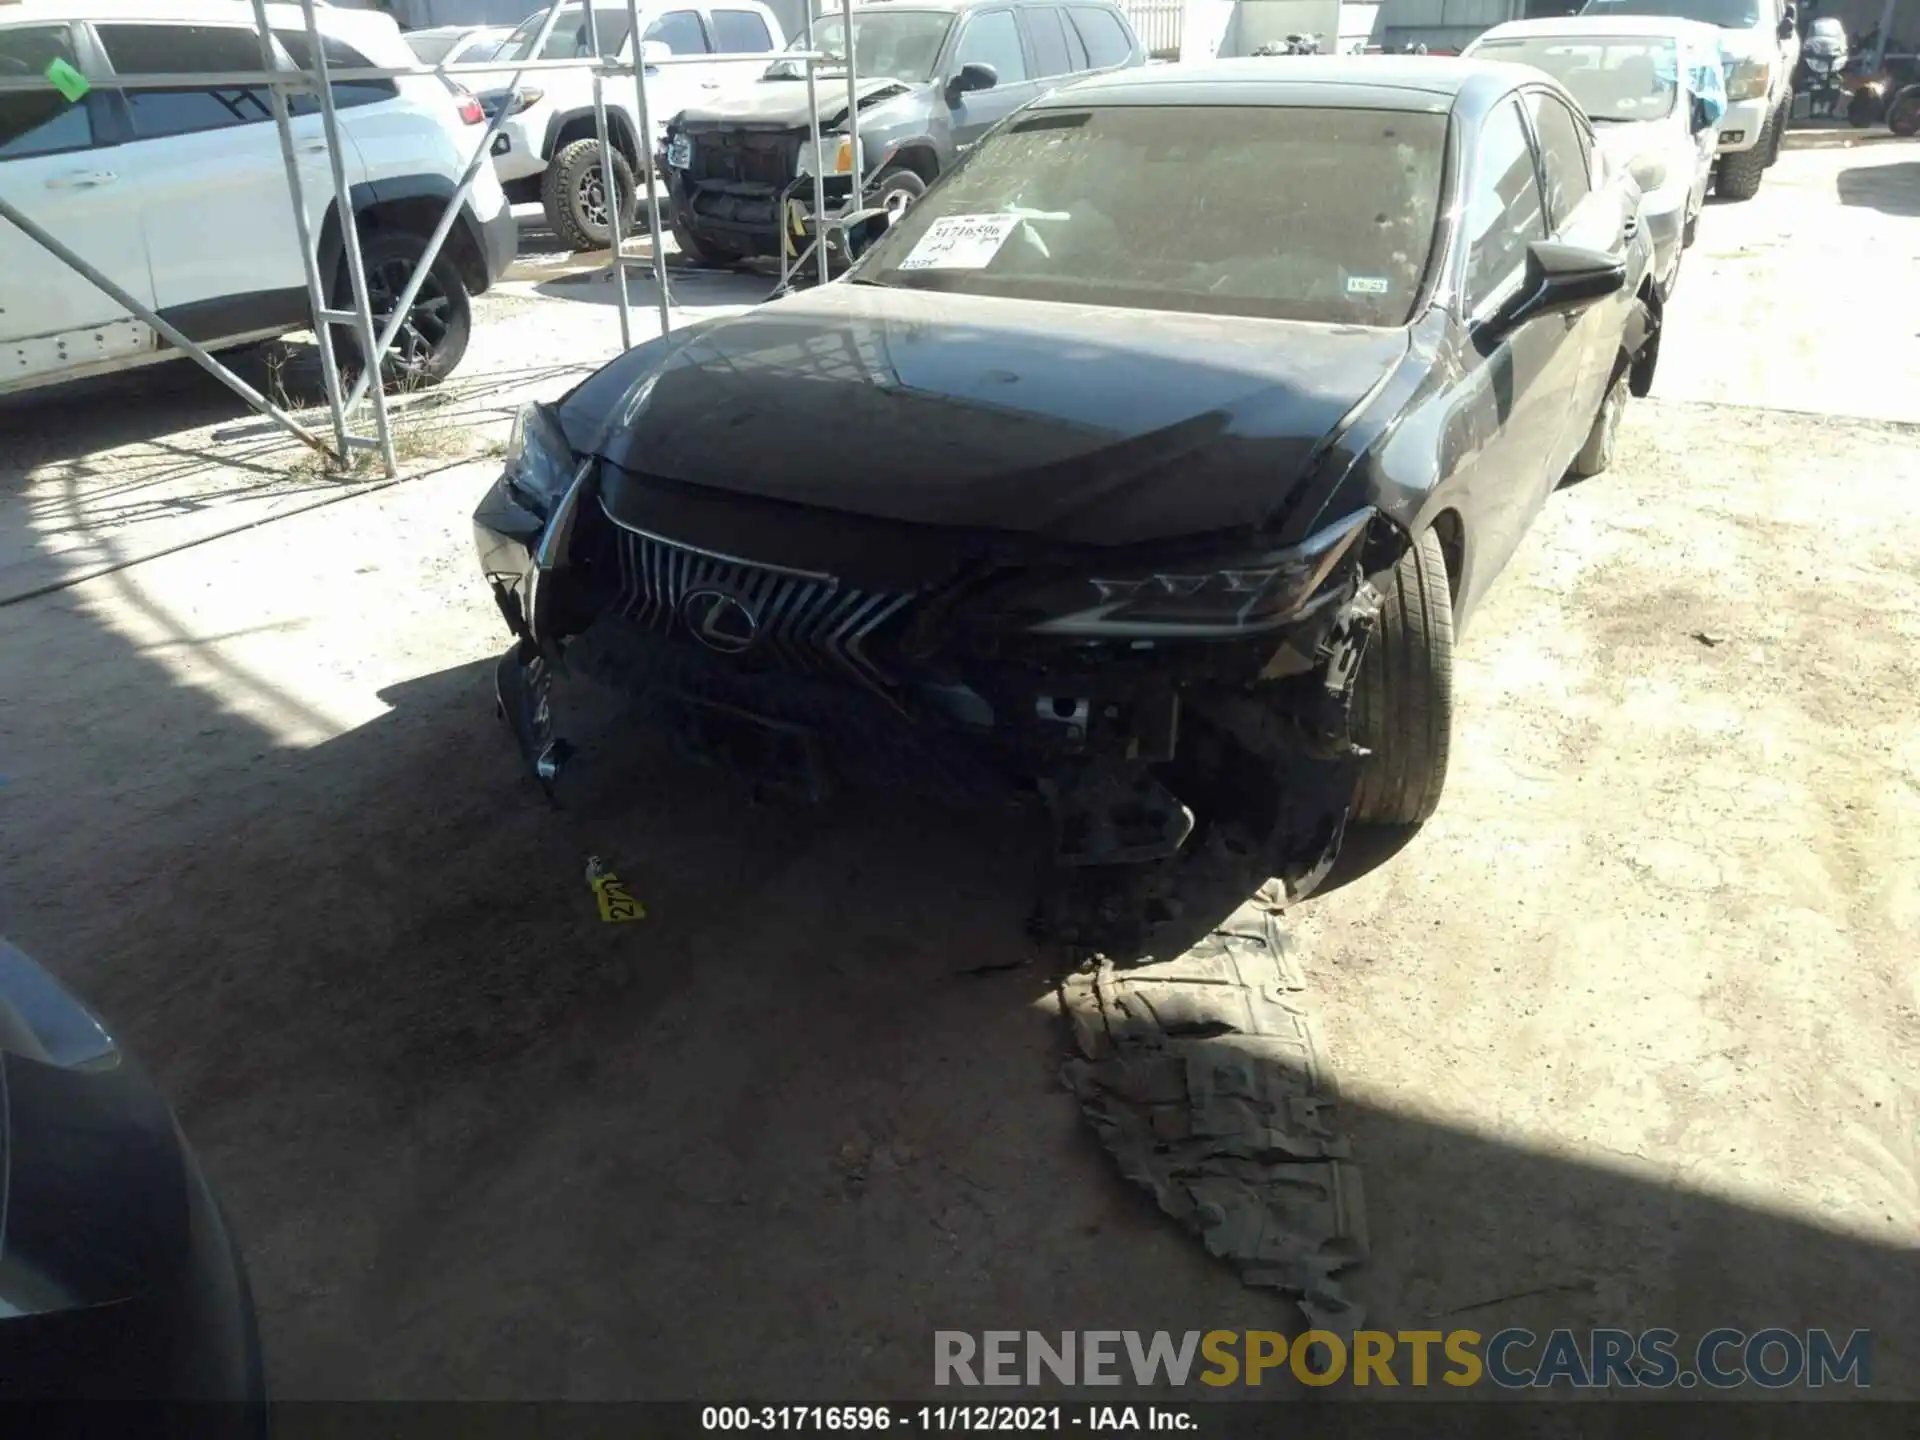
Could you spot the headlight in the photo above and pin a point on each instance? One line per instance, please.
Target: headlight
(525, 98)
(838, 150)
(1233, 595)
(1650, 171)
(1749, 79)
(679, 151)
(539, 464)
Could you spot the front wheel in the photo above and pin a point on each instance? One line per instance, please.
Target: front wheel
(573, 192)
(1739, 175)
(439, 322)
(1903, 118)
(1403, 698)
(896, 188)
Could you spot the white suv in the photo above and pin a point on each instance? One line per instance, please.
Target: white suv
(547, 150)
(180, 196)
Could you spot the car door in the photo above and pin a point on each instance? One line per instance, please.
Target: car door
(1104, 39)
(211, 182)
(1509, 406)
(1578, 213)
(672, 88)
(736, 30)
(59, 166)
(989, 37)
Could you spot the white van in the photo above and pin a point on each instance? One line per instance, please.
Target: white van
(1760, 42)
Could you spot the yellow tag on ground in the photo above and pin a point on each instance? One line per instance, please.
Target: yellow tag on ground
(616, 904)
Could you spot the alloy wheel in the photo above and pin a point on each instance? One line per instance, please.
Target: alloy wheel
(428, 318)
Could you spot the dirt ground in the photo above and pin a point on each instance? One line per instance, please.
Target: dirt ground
(1625, 1034)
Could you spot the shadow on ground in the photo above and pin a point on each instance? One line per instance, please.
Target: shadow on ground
(1890, 189)
(479, 1143)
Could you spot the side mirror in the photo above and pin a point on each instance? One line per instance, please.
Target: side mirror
(855, 234)
(1786, 28)
(973, 76)
(1561, 279)
(652, 52)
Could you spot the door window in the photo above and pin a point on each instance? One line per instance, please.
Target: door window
(680, 31)
(187, 50)
(39, 122)
(340, 56)
(1047, 28)
(740, 32)
(992, 38)
(1503, 212)
(1107, 41)
(1563, 155)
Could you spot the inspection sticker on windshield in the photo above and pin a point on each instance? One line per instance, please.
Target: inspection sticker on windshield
(1366, 285)
(961, 242)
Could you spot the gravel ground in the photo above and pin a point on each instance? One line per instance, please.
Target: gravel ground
(1625, 1033)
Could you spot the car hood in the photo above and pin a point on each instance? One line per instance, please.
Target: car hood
(782, 104)
(1075, 423)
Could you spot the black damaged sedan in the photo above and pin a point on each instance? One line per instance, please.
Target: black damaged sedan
(1146, 466)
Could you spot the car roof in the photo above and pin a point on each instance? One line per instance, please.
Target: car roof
(1360, 82)
(1558, 25)
(947, 7)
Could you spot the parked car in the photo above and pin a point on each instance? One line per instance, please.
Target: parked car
(931, 78)
(548, 150)
(121, 1281)
(1760, 46)
(1196, 407)
(458, 44)
(1653, 91)
(180, 196)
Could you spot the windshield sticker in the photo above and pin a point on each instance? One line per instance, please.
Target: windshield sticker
(961, 242)
(1367, 285)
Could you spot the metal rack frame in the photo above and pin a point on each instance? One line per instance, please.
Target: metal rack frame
(344, 404)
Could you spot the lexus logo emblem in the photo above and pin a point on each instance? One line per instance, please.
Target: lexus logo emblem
(720, 621)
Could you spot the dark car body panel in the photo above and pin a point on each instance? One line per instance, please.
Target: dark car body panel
(118, 1277)
(994, 414)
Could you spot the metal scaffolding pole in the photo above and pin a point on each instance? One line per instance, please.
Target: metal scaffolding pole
(609, 186)
(371, 357)
(819, 163)
(191, 349)
(853, 109)
(635, 38)
(309, 258)
(483, 155)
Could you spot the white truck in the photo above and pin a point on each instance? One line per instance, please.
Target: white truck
(548, 150)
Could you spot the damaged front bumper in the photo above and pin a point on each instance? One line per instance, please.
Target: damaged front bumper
(806, 681)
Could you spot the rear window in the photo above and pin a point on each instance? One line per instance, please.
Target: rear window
(1288, 213)
(340, 56)
(740, 32)
(1106, 39)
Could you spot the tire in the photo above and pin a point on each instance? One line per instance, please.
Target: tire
(1690, 231)
(1903, 119)
(693, 252)
(1777, 133)
(440, 322)
(1863, 110)
(1738, 175)
(896, 188)
(1403, 698)
(1603, 438)
(571, 193)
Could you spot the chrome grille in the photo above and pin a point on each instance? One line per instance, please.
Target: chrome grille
(802, 620)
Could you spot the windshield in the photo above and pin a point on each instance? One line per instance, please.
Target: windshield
(889, 44)
(1617, 77)
(569, 38)
(1282, 212)
(1727, 14)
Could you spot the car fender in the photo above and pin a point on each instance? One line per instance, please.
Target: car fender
(619, 126)
(919, 139)
(370, 195)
